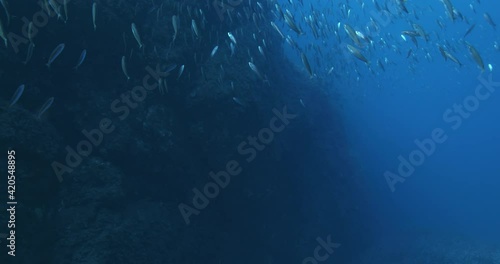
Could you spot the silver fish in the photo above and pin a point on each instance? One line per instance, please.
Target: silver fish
(17, 94)
(238, 101)
(352, 34)
(291, 23)
(136, 35)
(488, 19)
(277, 29)
(175, 24)
(302, 103)
(56, 8)
(65, 3)
(354, 51)
(194, 27)
(214, 51)
(469, 30)
(6, 8)
(255, 70)
(261, 50)
(124, 68)
(452, 58)
(231, 37)
(94, 11)
(475, 55)
(181, 70)
(420, 31)
(44, 107)
(81, 59)
(306, 64)
(55, 53)
(449, 7)
(2, 33)
(170, 68)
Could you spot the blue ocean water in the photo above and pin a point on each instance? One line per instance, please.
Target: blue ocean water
(229, 131)
(449, 188)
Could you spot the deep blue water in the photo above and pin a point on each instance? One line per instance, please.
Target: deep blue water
(455, 191)
(392, 160)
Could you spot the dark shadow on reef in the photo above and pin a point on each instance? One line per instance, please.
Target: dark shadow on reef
(119, 203)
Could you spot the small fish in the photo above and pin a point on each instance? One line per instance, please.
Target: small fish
(55, 53)
(65, 3)
(452, 58)
(236, 100)
(449, 7)
(2, 33)
(124, 68)
(94, 11)
(175, 24)
(490, 67)
(44, 107)
(354, 51)
(56, 8)
(6, 8)
(475, 55)
(414, 40)
(81, 59)
(302, 103)
(469, 30)
(194, 27)
(261, 50)
(47, 7)
(17, 94)
(443, 52)
(170, 68)
(136, 35)
(214, 51)
(402, 5)
(181, 70)
(488, 19)
(421, 31)
(231, 37)
(410, 33)
(291, 23)
(331, 70)
(409, 53)
(277, 29)
(255, 70)
(352, 34)
(306, 64)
